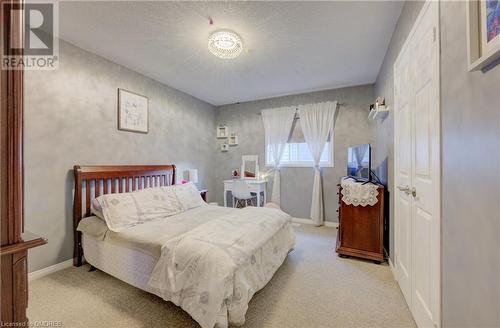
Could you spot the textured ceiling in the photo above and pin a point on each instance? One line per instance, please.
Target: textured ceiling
(289, 47)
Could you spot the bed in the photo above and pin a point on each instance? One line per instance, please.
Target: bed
(209, 260)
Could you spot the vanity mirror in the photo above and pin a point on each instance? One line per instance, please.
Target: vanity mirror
(250, 166)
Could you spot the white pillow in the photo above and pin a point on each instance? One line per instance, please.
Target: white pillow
(188, 195)
(122, 211)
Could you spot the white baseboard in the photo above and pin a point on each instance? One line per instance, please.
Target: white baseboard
(393, 269)
(331, 224)
(309, 221)
(48, 270)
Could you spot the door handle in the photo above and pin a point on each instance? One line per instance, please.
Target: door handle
(406, 189)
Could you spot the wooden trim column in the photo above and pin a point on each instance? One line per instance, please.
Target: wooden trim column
(11, 135)
(14, 243)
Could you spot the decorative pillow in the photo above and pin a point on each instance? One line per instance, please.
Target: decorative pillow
(188, 195)
(122, 211)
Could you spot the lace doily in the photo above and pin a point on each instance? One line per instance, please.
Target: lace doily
(357, 193)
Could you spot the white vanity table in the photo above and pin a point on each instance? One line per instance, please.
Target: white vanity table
(250, 173)
(255, 186)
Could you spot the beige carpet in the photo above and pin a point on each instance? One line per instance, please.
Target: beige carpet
(313, 288)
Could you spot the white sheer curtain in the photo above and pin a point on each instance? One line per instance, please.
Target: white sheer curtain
(359, 154)
(277, 125)
(317, 122)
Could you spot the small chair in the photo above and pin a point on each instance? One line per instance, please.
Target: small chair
(242, 195)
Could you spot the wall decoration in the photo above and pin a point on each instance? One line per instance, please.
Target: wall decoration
(222, 132)
(133, 112)
(483, 33)
(233, 140)
(378, 108)
(492, 19)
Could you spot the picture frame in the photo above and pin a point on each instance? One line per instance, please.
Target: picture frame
(133, 112)
(222, 132)
(233, 140)
(483, 33)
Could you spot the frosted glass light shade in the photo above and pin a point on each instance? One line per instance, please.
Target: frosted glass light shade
(225, 44)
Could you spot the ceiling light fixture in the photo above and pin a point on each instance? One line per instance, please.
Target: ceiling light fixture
(225, 44)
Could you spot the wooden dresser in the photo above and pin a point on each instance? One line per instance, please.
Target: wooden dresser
(361, 229)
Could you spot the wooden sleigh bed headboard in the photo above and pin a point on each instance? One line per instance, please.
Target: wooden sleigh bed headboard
(94, 181)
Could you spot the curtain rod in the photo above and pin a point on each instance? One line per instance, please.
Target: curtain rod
(296, 109)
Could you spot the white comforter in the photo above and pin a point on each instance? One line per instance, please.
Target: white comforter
(213, 270)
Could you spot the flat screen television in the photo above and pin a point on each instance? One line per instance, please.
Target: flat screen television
(359, 162)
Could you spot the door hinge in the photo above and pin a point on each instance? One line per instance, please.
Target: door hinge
(434, 30)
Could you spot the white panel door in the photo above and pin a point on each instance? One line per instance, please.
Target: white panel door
(403, 172)
(417, 168)
(426, 169)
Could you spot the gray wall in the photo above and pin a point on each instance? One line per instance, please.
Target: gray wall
(70, 118)
(384, 86)
(352, 127)
(470, 110)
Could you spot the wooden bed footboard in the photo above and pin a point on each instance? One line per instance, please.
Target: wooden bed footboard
(94, 181)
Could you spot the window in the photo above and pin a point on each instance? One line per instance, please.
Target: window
(297, 154)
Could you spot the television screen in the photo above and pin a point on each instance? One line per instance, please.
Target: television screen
(359, 162)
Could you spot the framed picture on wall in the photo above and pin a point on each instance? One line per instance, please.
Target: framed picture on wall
(133, 112)
(483, 33)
